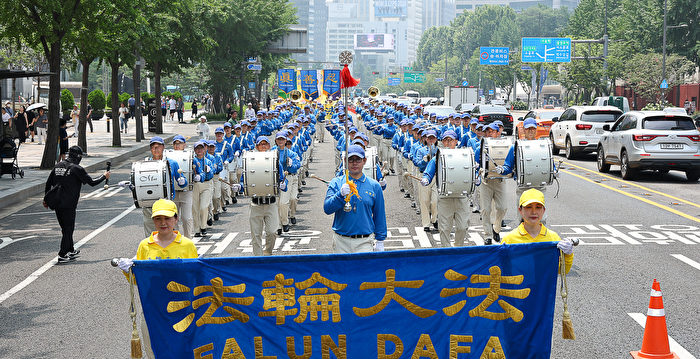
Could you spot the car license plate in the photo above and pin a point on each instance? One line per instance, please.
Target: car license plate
(671, 146)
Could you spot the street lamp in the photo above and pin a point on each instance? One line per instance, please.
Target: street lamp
(663, 61)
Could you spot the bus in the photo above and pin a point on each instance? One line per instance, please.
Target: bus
(414, 95)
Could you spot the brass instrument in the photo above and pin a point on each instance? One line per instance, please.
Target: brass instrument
(373, 92)
(295, 95)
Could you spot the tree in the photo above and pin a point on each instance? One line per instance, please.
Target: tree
(684, 41)
(46, 24)
(644, 74)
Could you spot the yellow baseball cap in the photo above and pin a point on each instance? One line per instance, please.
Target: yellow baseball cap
(531, 196)
(164, 207)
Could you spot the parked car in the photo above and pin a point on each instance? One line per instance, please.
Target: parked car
(675, 110)
(442, 110)
(651, 140)
(603, 101)
(490, 113)
(579, 128)
(465, 107)
(544, 122)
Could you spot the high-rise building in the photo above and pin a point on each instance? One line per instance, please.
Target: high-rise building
(438, 13)
(312, 14)
(518, 5)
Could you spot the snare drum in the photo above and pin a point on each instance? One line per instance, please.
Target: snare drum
(370, 168)
(534, 163)
(260, 174)
(184, 160)
(494, 152)
(455, 172)
(151, 182)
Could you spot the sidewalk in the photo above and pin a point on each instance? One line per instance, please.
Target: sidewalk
(100, 151)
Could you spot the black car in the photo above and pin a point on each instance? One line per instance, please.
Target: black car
(489, 113)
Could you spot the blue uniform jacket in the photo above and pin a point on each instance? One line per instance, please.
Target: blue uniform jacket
(368, 214)
(200, 168)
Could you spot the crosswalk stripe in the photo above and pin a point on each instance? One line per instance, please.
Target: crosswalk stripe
(113, 192)
(686, 260)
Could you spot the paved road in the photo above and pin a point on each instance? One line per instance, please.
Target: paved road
(631, 233)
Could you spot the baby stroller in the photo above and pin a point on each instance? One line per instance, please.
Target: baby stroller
(8, 157)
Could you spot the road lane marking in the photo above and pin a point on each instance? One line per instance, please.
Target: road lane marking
(51, 213)
(93, 193)
(687, 260)
(641, 319)
(34, 276)
(634, 184)
(685, 215)
(114, 191)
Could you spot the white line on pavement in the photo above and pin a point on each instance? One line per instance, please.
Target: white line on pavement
(641, 319)
(93, 193)
(32, 277)
(114, 191)
(51, 213)
(687, 260)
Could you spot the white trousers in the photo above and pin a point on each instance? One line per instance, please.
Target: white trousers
(201, 199)
(288, 200)
(148, 225)
(216, 196)
(343, 244)
(493, 205)
(453, 212)
(427, 197)
(320, 131)
(41, 133)
(263, 216)
(183, 200)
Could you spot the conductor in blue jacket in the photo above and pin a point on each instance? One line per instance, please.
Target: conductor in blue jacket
(356, 230)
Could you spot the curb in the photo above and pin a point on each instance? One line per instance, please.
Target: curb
(33, 190)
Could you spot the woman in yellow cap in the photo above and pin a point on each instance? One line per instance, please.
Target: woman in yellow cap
(531, 209)
(165, 242)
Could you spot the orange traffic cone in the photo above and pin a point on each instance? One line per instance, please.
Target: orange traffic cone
(655, 342)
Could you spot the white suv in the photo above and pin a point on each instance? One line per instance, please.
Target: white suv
(579, 128)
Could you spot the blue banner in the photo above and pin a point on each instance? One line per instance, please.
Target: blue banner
(309, 84)
(490, 301)
(286, 80)
(331, 83)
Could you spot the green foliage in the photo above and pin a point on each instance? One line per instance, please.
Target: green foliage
(97, 99)
(644, 74)
(67, 100)
(519, 105)
(166, 94)
(124, 98)
(145, 96)
(177, 95)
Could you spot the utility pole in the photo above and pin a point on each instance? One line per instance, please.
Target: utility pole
(663, 61)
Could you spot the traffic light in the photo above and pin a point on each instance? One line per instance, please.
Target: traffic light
(375, 73)
(392, 73)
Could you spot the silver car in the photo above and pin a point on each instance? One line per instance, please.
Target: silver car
(653, 140)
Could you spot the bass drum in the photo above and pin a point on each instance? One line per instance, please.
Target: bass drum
(370, 168)
(534, 163)
(494, 152)
(260, 174)
(151, 182)
(455, 173)
(184, 160)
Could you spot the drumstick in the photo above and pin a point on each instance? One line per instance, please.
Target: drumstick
(406, 174)
(225, 181)
(318, 178)
(109, 165)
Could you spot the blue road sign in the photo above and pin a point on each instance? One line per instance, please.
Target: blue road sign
(439, 79)
(251, 84)
(252, 60)
(490, 92)
(546, 49)
(465, 83)
(254, 67)
(493, 55)
(394, 81)
(481, 92)
(664, 84)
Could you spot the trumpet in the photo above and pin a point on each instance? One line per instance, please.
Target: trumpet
(295, 95)
(373, 92)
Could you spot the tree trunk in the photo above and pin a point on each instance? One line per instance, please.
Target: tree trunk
(157, 92)
(137, 96)
(82, 136)
(116, 134)
(50, 155)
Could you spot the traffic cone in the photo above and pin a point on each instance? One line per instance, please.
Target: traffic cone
(655, 342)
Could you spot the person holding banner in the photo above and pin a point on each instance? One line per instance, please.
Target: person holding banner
(358, 208)
(531, 209)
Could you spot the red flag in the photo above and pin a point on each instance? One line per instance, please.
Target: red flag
(346, 79)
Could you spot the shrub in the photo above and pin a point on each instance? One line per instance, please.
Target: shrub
(166, 94)
(67, 100)
(97, 100)
(177, 95)
(519, 105)
(124, 98)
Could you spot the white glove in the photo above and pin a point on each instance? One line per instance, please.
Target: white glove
(283, 186)
(425, 158)
(181, 181)
(566, 246)
(379, 246)
(382, 182)
(424, 181)
(207, 168)
(477, 180)
(289, 162)
(238, 153)
(236, 187)
(225, 163)
(345, 189)
(125, 263)
(499, 170)
(197, 178)
(123, 184)
(556, 174)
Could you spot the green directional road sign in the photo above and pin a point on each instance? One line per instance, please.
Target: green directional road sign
(414, 77)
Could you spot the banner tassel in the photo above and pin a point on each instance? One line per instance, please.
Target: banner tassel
(136, 352)
(567, 327)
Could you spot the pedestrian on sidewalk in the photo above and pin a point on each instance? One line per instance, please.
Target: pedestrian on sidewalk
(132, 105)
(203, 128)
(41, 123)
(63, 143)
(69, 176)
(194, 108)
(123, 120)
(180, 110)
(88, 117)
(75, 118)
(31, 119)
(172, 105)
(21, 124)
